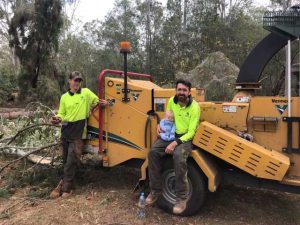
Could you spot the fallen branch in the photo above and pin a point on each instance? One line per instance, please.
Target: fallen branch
(43, 160)
(6, 212)
(30, 127)
(35, 104)
(6, 139)
(18, 151)
(30, 153)
(30, 109)
(13, 148)
(14, 115)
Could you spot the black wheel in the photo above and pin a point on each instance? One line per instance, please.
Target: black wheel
(197, 188)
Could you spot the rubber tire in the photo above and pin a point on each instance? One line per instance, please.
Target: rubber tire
(197, 194)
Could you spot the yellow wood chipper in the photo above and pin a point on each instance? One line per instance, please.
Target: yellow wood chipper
(254, 134)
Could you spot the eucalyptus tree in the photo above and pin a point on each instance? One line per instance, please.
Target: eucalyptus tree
(34, 30)
(96, 46)
(150, 16)
(120, 24)
(284, 4)
(7, 56)
(169, 41)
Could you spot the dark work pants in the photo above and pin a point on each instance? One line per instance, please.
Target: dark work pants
(180, 155)
(72, 150)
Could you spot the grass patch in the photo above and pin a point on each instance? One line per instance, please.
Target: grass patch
(5, 215)
(40, 193)
(41, 179)
(4, 193)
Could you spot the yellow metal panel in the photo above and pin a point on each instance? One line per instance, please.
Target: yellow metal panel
(144, 84)
(139, 95)
(243, 154)
(164, 93)
(228, 115)
(127, 123)
(209, 169)
(118, 153)
(198, 94)
(267, 107)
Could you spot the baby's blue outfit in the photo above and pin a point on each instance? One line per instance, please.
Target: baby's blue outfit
(169, 130)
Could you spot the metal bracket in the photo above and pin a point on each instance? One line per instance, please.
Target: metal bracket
(289, 149)
(126, 100)
(292, 150)
(128, 90)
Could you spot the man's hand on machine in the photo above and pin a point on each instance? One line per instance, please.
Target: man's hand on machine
(103, 102)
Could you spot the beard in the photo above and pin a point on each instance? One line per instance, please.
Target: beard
(182, 98)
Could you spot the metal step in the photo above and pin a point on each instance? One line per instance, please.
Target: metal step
(247, 156)
(292, 180)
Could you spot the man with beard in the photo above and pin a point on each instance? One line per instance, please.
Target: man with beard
(186, 115)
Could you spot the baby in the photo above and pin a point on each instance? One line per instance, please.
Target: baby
(167, 126)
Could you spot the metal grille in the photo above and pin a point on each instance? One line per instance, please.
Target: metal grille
(286, 18)
(241, 153)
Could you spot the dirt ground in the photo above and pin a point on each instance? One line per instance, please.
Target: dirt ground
(104, 196)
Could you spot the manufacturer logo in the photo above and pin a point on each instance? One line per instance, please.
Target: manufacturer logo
(279, 101)
(281, 108)
(135, 96)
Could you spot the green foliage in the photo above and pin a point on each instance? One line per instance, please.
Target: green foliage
(37, 136)
(273, 77)
(8, 84)
(4, 193)
(164, 40)
(35, 29)
(47, 91)
(7, 87)
(76, 54)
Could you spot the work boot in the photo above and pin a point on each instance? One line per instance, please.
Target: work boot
(179, 207)
(151, 198)
(56, 191)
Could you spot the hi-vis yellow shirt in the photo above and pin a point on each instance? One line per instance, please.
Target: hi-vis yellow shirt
(77, 106)
(74, 109)
(186, 118)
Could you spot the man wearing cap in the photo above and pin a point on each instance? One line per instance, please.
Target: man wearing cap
(74, 109)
